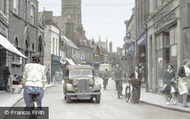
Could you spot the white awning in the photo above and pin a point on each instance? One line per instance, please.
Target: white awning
(7, 45)
(70, 61)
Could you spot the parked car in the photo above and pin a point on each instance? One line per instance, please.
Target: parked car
(80, 83)
(102, 68)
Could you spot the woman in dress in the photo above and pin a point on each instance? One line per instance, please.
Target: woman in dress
(184, 82)
(170, 89)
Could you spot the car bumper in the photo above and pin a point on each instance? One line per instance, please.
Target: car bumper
(83, 94)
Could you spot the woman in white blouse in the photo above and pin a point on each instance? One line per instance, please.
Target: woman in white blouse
(184, 82)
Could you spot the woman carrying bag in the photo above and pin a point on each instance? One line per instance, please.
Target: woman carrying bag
(184, 82)
(169, 82)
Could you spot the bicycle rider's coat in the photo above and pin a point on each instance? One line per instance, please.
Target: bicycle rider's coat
(34, 75)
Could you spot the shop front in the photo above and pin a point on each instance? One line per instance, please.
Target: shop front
(55, 65)
(163, 43)
(130, 58)
(141, 53)
(6, 51)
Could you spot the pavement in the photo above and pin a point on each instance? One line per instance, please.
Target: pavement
(9, 99)
(159, 100)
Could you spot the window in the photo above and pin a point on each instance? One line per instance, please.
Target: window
(32, 14)
(25, 9)
(15, 58)
(16, 6)
(40, 44)
(3, 6)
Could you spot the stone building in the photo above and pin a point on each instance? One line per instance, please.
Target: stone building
(52, 39)
(24, 33)
(4, 33)
(167, 38)
(129, 42)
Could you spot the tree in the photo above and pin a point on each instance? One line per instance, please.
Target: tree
(114, 58)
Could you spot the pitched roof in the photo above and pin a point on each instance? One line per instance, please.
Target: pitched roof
(61, 21)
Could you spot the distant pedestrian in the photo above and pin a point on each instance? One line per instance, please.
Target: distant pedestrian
(184, 82)
(170, 87)
(6, 74)
(48, 76)
(105, 77)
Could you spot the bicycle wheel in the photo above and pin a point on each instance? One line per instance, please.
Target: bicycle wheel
(127, 93)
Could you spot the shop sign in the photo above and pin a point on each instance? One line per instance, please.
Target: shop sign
(171, 17)
(139, 41)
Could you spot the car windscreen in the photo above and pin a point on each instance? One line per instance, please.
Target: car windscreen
(80, 72)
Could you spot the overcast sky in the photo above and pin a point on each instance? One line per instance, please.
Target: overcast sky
(100, 18)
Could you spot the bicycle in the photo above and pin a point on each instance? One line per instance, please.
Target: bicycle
(34, 105)
(131, 90)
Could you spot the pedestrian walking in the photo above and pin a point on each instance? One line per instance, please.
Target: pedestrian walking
(6, 74)
(169, 83)
(137, 76)
(48, 76)
(184, 82)
(118, 75)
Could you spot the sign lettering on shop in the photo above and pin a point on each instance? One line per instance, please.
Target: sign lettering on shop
(163, 12)
(165, 20)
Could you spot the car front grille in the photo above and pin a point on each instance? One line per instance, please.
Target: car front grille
(83, 86)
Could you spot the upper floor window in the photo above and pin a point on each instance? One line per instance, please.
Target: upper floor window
(25, 9)
(32, 14)
(16, 6)
(3, 6)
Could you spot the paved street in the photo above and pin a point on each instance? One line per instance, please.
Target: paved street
(109, 108)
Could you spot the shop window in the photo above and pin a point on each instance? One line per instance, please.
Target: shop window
(159, 42)
(173, 35)
(174, 50)
(172, 38)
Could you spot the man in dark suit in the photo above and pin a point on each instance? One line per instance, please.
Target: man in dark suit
(136, 75)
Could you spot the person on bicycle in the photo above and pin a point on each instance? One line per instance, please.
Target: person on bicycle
(118, 76)
(105, 77)
(136, 75)
(34, 77)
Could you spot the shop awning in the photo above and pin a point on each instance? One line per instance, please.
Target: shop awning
(70, 61)
(8, 46)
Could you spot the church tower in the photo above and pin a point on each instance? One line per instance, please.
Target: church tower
(72, 10)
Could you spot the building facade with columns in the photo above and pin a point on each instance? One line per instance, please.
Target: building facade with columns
(166, 37)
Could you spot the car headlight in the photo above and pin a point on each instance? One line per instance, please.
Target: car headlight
(90, 88)
(91, 82)
(75, 82)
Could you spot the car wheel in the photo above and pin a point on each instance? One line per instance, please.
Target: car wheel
(98, 97)
(68, 99)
